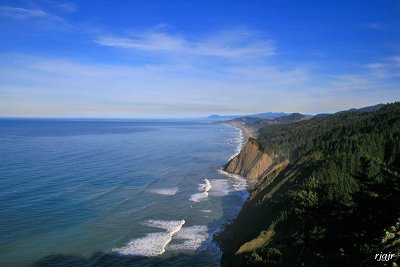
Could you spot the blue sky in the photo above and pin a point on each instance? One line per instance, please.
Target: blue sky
(194, 58)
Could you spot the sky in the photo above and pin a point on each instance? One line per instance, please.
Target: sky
(180, 58)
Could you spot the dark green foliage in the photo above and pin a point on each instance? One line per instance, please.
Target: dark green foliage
(348, 209)
(375, 133)
(270, 257)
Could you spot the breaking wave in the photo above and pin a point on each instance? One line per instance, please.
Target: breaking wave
(193, 237)
(152, 244)
(204, 188)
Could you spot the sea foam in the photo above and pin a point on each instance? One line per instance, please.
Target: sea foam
(204, 188)
(239, 141)
(164, 191)
(237, 181)
(152, 244)
(194, 238)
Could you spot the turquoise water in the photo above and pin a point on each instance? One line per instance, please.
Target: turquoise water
(119, 193)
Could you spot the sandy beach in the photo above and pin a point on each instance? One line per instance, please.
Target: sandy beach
(247, 131)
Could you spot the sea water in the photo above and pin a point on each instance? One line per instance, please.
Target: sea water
(115, 193)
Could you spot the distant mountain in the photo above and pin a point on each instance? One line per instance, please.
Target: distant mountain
(253, 124)
(294, 117)
(218, 117)
(364, 109)
(286, 117)
(269, 115)
(257, 121)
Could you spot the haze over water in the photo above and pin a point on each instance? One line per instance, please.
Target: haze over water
(92, 192)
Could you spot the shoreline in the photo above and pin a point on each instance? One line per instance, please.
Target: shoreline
(247, 131)
(244, 134)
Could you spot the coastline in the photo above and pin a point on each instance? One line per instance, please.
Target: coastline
(249, 163)
(244, 134)
(239, 181)
(246, 131)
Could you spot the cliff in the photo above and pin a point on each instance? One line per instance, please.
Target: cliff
(310, 181)
(262, 171)
(251, 162)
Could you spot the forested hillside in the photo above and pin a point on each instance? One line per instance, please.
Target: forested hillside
(335, 203)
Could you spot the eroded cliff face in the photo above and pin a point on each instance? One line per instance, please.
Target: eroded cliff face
(251, 163)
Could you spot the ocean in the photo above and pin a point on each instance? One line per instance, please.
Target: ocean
(115, 192)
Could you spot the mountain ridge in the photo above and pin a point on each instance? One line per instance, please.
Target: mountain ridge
(273, 115)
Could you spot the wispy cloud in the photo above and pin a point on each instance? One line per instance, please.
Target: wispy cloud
(34, 18)
(270, 76)
(154, 90)
(37, 85)
(388, 68)
(147, 42)
(228, 71)
(25, 13)
(231, 44)
(349, 82)
(21, 13)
